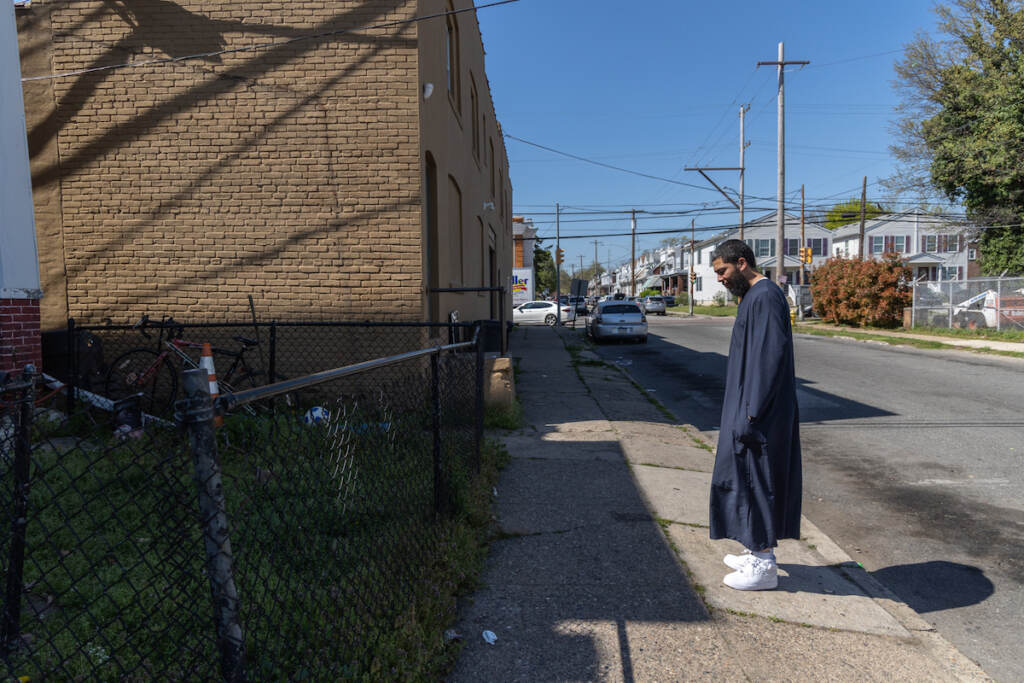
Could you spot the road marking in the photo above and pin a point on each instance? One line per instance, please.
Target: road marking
(961, 482)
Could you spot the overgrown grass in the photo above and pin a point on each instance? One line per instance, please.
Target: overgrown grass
(508, 416)
(981, 333)
(343, 567)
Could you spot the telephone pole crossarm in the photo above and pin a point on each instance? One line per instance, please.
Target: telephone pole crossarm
(708, 178)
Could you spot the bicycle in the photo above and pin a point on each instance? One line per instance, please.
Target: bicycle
(154, 375)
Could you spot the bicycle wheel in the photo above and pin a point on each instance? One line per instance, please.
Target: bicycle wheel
(146, 372)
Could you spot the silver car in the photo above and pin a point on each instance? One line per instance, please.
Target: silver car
(617, 320)
(654, 304)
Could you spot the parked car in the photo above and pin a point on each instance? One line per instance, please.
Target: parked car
(541, 313)
(579, 303)
(653, 304)
(617, 320)
(669, 300)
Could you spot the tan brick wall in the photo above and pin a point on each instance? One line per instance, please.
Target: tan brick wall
(291, 173)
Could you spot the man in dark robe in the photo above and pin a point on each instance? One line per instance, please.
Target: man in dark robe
(756, 485)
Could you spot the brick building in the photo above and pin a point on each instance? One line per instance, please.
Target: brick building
(339, 171)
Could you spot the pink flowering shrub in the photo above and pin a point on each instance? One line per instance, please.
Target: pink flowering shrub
(855, 292)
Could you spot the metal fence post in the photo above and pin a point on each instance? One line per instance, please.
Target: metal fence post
(19, 512)
(272, 361)
(913, 306)
(440, 494)
(479, 421)
(69, 404)
(195, 412)
(949, 322)
(501, 321)
(999, 304)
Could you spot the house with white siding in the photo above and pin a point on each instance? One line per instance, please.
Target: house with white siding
(936, 248)
(760, 235)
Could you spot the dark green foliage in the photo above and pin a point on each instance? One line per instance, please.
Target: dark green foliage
(963, 129)
(848, 212)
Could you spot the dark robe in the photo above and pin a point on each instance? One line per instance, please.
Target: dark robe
(756, 485)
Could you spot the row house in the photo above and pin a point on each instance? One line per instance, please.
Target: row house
(760, 235)
(934, 247)
(345, 176)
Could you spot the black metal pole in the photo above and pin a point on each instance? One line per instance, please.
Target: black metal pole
(435, 409)
(501, 321)
(479, 430)
(69, 404)
(19, 516)
(272, 353)
(195, 412)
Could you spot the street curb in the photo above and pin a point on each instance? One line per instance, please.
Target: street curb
(958, 664)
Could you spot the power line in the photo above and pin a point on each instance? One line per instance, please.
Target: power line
(264, 46)
(598, 163)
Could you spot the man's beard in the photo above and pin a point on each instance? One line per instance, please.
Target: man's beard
(737, 285)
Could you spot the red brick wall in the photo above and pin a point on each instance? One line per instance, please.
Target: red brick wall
(19, 334)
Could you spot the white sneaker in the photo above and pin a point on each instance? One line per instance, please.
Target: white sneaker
(737, 561)
(755, 575)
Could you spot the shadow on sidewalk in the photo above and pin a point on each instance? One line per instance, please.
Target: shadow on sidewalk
(937, 585)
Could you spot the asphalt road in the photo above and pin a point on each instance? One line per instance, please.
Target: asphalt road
(913, 463)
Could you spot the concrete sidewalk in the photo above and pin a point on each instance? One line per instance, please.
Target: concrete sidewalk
(604, 571)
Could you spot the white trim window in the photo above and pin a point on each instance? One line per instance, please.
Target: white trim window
(698, 284)
(931, 243)
(972, 254)
(877, 244)
(818, 245)
(764, 248)
(901, 244)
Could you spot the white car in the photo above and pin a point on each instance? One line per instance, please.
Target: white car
(617, 320)
(541, 313)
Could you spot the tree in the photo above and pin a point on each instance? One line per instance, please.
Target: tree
(855, 292)
(962, 129)
(543, 270)
(848, 212)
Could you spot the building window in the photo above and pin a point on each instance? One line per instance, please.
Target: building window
(452, 55)
(490, 159)
(455, 236)
(698, 256)
(818, 245)
(483, 251)
(501, 189)
(474, 106)
(951, 272)
(930, 243)
(764, 248)
(877, 244)
(793, 247)
(972, 254)
(698, 284)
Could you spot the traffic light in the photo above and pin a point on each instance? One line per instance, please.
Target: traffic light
(559, 256)
(693, 276)
(805, 255)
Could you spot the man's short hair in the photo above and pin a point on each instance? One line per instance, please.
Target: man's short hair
(730, 251)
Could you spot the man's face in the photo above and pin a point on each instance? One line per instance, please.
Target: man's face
(731, 277)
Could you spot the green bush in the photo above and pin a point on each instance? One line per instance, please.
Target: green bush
(856, 292)
(651, 292)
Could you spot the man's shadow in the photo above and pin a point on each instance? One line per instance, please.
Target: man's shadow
(925, 586)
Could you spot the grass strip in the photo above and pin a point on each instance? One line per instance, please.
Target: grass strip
(903, 341)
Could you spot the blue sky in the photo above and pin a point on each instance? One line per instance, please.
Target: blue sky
(656, 86)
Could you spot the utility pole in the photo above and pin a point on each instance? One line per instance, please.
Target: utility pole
(693, 232)
(780, 219)
(743, 149)
(803, 272)
(863, 213)
(596, 262)
(558, 266)
(632, 262)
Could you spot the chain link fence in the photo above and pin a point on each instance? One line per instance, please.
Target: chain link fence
(115, 361)
(301, 540)
(995, 303)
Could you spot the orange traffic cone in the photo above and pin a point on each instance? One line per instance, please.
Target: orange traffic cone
(206, 362)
